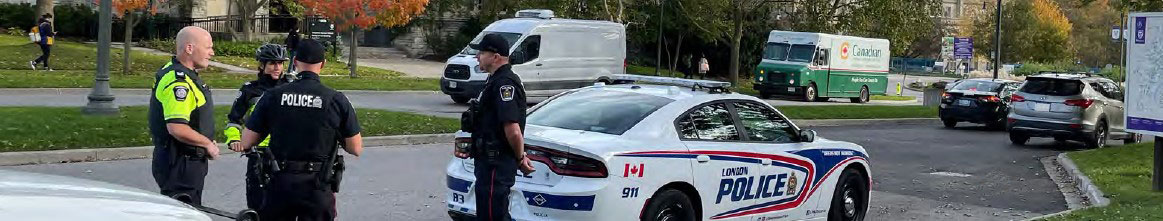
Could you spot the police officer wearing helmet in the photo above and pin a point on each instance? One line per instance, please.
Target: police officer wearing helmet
(305, 121)
(271, 58)
(181, 119)
(498, 125)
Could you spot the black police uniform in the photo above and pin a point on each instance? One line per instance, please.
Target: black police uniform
(180, 96)
(248, 95)
(501, 101)
(305, 121)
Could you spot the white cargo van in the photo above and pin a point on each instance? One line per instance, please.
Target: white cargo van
(550, 55)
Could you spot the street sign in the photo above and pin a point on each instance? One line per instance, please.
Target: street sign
(963, 48)
(947, 47)
(1115, 32)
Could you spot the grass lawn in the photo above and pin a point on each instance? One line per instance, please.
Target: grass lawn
(55, 128)
(1124, 174)
(857, 112)
(74, 68)
(644, 70)
(892, 98)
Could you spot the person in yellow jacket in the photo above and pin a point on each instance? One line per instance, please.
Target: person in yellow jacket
(271, 58)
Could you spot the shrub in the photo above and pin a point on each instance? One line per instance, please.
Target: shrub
(1034, 68)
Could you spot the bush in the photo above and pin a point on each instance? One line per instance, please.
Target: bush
(237, 48)
(157, 44)
(18, 16)
(1035, 68)
(1116, 73)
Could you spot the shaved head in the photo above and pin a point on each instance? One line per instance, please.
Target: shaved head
(194, 47)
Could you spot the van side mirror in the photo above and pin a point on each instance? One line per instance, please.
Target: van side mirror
(807, 135)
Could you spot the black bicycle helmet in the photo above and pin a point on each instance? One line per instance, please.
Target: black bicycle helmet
(271, 52)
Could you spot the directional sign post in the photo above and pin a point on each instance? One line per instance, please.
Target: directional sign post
(1144, 97)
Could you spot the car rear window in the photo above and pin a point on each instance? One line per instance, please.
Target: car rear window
(978, 86)
(1052, 87)
(608, 112)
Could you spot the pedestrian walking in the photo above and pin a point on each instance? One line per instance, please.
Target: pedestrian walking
(46, 35)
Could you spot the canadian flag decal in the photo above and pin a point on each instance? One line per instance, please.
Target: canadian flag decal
(634, 170)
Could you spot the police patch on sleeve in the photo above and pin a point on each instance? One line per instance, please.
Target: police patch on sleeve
(180, 93)
(507, 93)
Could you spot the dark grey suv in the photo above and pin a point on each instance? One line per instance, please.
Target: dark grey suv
(1065, 106)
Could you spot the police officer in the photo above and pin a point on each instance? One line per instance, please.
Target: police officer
(305, 120)
(181, 118)
(497, 131)
(271, 58)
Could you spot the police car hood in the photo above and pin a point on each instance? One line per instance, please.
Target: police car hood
(32, 196)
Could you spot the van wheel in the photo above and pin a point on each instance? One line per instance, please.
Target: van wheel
(1018, 138)
(669, 205)
(459, 99)
(1098, 138)
(810, 93)
(863, 98)
(850, 200)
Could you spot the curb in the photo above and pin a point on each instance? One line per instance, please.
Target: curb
(126, 153)
(1093, 195)
(858, 122)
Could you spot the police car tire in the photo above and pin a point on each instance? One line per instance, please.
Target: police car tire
(672, 202)
(852, 182)
(459, 99)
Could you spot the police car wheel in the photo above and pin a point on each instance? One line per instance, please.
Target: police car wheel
(669, 205)
(850, 200)
(459, 99)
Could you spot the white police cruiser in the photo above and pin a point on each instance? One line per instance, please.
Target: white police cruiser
(656, 152)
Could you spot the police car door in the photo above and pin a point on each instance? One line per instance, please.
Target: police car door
(723, 174)
(783, 176)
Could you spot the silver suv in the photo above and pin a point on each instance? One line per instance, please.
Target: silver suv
(1080, 107)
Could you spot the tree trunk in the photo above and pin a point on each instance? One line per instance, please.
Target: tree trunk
(128, 43)
(677, 53)
(247, 26)
(736, 38)
(42, 7)
(351, 58)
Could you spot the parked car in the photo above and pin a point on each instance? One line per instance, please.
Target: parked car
(982, 101)
(550, 54)
(33, 196)
(1065, 106)
(656, 152)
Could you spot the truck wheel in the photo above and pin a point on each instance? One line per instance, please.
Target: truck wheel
(863, 98)
(459, 99)
(1098, 138)
(669, 205)
(850, 200)
(1018, 138)
(810, 93)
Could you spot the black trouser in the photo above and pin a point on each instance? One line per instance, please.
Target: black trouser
(254, 186)
(44, 52)
(298, 195)
(178, 174)
(493, 182)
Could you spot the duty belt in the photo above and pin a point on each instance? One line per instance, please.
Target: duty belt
(301, 166)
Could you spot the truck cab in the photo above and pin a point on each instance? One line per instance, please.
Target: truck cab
(817, 66)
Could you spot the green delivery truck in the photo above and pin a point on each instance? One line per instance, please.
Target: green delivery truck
(815, 66)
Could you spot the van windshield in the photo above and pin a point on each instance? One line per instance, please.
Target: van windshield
(802, 53)
(776, 51)
(509, 36)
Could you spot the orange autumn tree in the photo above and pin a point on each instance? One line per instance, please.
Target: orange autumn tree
(130, 11)
(351, 16)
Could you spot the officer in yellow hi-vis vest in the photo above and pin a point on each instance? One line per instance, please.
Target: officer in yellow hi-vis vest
(181, 119)
(271, 58)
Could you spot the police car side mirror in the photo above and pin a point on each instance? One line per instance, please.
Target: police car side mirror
(807, 135)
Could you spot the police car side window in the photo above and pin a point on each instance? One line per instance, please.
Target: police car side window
(763, 124)
(710, 122)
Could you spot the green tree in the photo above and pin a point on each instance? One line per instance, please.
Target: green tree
(1032, 31)
(907, 24)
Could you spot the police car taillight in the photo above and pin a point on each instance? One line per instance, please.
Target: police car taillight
(462, 145)
(567, 164)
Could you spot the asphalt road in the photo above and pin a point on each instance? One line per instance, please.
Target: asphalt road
(921, 172)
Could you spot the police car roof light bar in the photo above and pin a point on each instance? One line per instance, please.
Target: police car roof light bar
(711, 86)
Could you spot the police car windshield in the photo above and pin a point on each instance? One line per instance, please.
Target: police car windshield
(801, 53)
(509, 37)
(608, 112)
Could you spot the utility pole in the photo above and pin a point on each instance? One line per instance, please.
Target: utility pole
(101, 98)
(997, 41)
(658, 62)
